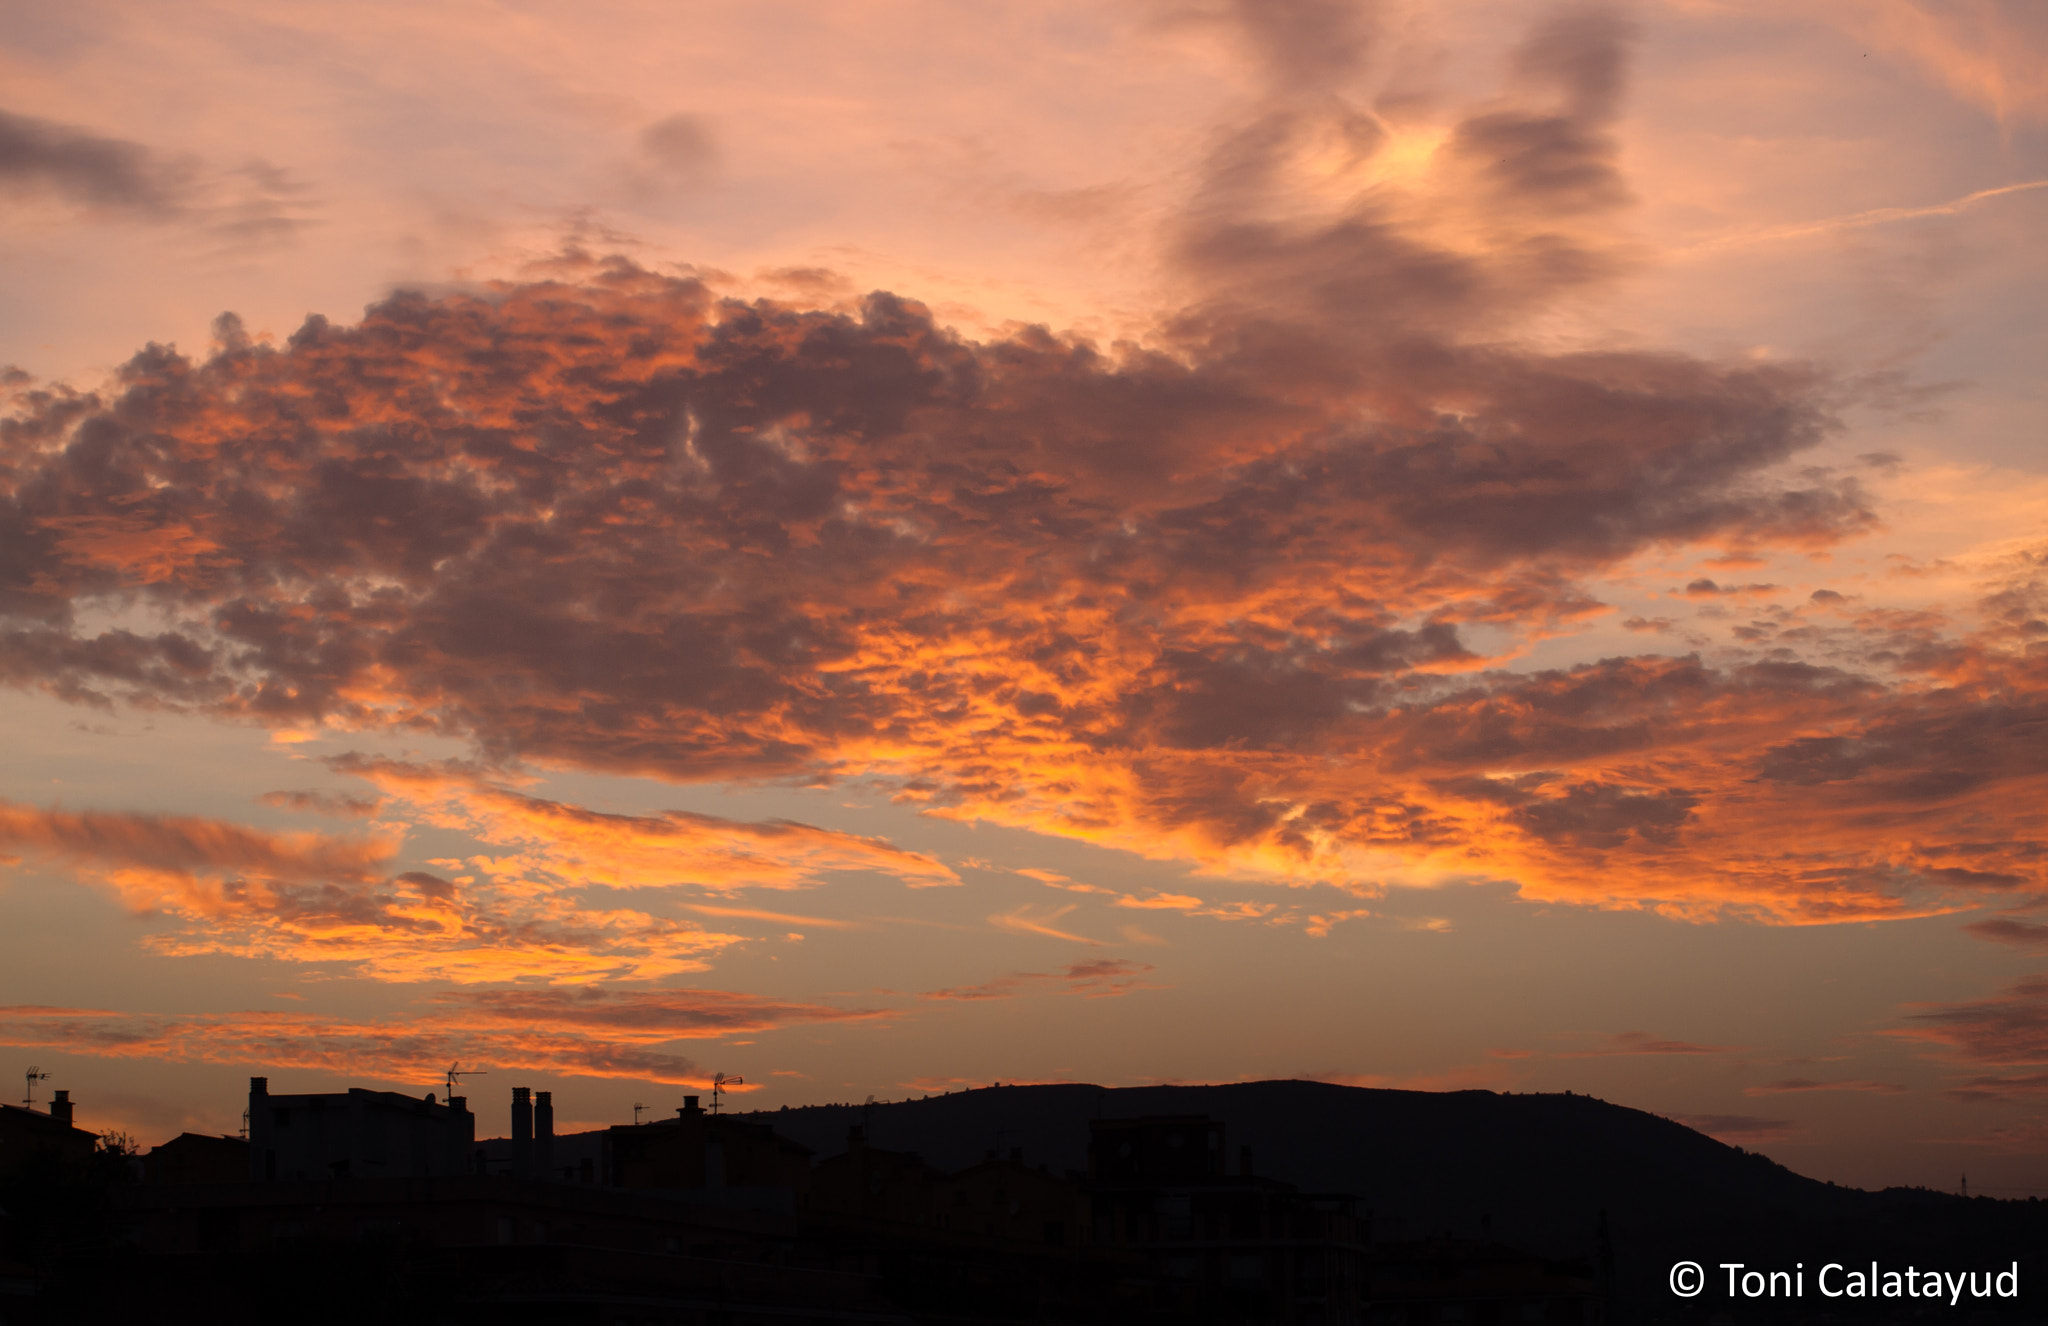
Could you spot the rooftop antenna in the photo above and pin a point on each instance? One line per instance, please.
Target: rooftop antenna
(245, 1125)
(34, 1075)
(456, 1072)
(719, 1082)
(637, 1107)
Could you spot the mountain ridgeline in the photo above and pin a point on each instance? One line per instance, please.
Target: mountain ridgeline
(1560, 1175)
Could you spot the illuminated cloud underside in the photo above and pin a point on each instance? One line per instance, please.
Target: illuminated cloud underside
(1243, 597)
(1198, 606)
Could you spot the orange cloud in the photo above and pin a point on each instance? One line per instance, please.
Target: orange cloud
(1171, 902)
(314, 898)
(556, 840)
(1250, 596)
(1319, 926)
(1028, 920)
(518, 913)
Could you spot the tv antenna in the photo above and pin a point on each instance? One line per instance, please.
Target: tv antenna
(456, 1072)
(637, 1107)
(34, 1075)
(719, 1082)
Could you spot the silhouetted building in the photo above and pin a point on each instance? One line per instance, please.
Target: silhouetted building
(705, 1218)
(25, 1134)
(712, 1157)
(1221, 1246)
(1440, 1281)
(356, 1134)
(492, 1249)
(1009, 1199)
(197, 1158)
(870, 1183)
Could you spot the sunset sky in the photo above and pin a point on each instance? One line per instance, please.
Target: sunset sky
(882, 547)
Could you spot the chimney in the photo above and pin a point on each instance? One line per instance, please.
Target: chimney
(262, 1141)
(60, 1107)
(522, 1132)
(689, 1105)
(544, 1134)
(1244, 1161)
(460, 1136)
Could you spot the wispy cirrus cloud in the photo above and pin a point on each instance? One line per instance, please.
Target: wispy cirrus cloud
(583, 1033)
(2016, 931)
(1993, 53)
(1804, 1084)
(2009, 1028)
(2006, 1030)
(1030, 920)
(2026, 1087)
(1096, 978)
(1642, 1042)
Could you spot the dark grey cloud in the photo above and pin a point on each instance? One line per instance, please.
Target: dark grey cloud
(2009, 1028)
(680, 146)
(89, 169)
(2011, 930)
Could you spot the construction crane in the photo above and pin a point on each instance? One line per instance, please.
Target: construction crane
(719, 1082)
(456, 1072)
(35, 1075)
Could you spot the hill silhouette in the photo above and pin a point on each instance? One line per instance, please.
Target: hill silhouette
(1539, 1171)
